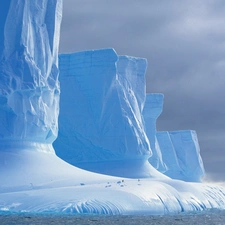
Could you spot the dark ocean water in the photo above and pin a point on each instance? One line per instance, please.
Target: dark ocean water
(207, 217)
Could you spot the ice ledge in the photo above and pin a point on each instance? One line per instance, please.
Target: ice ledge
(20, 145)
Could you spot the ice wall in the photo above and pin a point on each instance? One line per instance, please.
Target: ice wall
(107, 123)
(100, 123)
(29, 88)
(152, 109)
(175, 154)
(169, 156)
(181, 154)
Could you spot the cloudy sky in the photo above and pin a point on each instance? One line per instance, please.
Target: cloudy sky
(184, 43)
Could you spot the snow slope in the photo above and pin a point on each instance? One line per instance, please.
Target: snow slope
(33, 181)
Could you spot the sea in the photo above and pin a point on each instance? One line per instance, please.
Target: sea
(209, 217)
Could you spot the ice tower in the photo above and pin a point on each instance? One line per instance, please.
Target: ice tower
(29, 88)
(101, 126)
(152, 109)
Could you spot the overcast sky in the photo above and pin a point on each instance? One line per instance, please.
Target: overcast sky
(184, 43)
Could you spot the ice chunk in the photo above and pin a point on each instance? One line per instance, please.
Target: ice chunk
(29, 88)
(100, 123)
(152, 109)
(181, 154)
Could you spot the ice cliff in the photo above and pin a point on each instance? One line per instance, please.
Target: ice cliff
(181, 155)
(152, 109)
(29, 87)
(108, 124)
(175, 153)
(101, 125)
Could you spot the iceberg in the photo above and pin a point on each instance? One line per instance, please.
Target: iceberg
(101, 124)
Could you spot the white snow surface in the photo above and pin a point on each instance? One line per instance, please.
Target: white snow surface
(38, 182)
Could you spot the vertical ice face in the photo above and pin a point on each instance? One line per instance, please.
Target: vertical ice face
(169, 155)
(177, 153)
(188, 153)
(152, 109)
(100, 121)
(130, 87)
(86, 81)
(181, 153)
(29, 88)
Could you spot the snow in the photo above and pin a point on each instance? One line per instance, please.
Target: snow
(102, 127)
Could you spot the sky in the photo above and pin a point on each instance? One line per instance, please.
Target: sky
(184, 43)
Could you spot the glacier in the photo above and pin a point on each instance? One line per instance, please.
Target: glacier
(84, 140)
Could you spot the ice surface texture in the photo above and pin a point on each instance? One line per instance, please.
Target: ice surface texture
(29, 87)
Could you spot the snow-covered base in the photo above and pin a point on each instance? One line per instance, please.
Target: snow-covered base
(41, 182)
